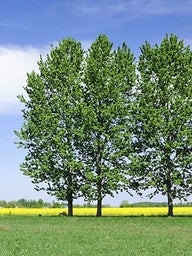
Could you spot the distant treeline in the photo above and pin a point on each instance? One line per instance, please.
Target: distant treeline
(24, 203)
(125, 203)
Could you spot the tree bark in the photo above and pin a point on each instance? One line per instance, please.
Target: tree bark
(70, 196)
(170, 204)
(99, 208)
(99, 200)
(70, 207)
(169, 187)
(170, 207)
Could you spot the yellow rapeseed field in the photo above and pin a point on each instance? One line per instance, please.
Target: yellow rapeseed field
(32, 211)
(110, 211)
(133, 211)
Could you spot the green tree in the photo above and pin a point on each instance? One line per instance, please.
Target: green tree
(39, 203)
(109, 77)
(22, 203)
(51, 114)
(124, 204)
(3, 203)
(163, 119)
(12, 204)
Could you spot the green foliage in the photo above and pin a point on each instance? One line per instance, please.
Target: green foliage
(108, 80)
(76, 120)
(125, 203)
(51, 122)
(91, 128)
(24, 203)
(163, 122)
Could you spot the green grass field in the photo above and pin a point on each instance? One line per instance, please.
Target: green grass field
(91, 236)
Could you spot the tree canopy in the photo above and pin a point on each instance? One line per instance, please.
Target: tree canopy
(109, 77)
(97, 122)
(75, 120)
(51, 122)
(163, 118)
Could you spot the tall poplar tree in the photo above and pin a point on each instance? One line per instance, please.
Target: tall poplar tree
(109, 77)
(51, 114)
(163, 119)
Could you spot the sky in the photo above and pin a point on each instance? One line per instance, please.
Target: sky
(28, 28)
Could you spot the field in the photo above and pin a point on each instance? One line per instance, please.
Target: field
(110, 211)
(90, 236)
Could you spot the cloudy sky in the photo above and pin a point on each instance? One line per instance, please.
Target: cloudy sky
(28, 28)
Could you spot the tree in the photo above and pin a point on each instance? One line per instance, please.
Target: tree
(163, 119)
(3, 203)
(109, 77)
(51, 114)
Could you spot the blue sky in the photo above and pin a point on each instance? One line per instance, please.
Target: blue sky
(28, 28)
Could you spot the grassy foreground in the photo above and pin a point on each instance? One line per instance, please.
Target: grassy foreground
(90, 236)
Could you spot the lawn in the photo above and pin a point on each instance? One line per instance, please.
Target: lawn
(91, 236)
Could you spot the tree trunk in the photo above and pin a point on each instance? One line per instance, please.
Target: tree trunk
(170, 205)
(99, 200)
(99, 207)
(169, 187)
(70, 196)
(70, 207)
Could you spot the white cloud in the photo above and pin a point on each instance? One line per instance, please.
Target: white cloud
(15, 63)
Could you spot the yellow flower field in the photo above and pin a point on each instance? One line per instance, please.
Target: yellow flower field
(110, 211)
(133, 211)
(32, 211)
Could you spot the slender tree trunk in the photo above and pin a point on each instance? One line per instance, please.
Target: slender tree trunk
(99, 201)
(169, 197)
(70, 207)
(99, 208)
(99, 186)
(169, 186)
(70, 196)
(170, 205)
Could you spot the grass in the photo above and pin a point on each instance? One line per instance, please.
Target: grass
(91, 236)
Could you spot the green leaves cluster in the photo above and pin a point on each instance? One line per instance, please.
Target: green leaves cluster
(97, 122)
(163, 123)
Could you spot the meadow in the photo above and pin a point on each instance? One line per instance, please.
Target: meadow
(90, 236)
